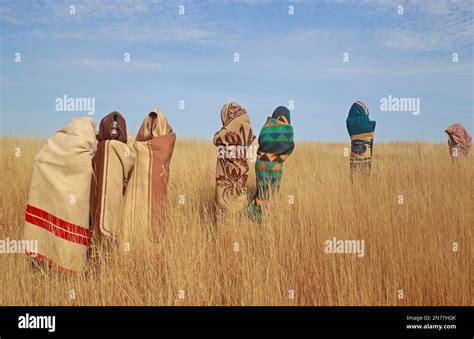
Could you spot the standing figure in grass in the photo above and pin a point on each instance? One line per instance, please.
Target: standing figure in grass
(232, 142)
(57, 211)
(459, 141)
(112, 164)
(361, 130)
(145, 199)
(275, 144)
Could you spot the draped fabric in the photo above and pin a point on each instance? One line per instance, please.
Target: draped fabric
(361, 130)
(113, 164)
(275, 146)
(358, 121)
(459, 141)
(148, 185)
(232, 142)
(57, 213)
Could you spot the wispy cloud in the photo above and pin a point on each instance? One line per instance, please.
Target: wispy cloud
(425, 25)
(107, 65)
(98, 20)
(120, 33)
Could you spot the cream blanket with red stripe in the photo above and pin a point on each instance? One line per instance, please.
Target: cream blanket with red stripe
(57, 215)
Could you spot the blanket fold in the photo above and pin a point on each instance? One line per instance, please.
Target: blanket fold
(113, 164)
(232, 142)
(147, 188)
(275, 144)
(57, 214)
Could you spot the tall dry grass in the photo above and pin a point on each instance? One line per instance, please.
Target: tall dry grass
(408, 246)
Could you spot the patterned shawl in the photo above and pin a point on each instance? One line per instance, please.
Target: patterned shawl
(232, 142)
(361, 130)
(458, 138)
(275, 145)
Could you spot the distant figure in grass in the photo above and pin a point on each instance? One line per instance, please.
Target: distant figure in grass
(275, 144)
(232, 142)
(361, 130)
(459, 141)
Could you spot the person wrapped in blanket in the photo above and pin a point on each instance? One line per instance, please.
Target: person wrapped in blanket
(275, 144)
(112, 167)
(459, 141)
(232, 142)
(361, 130)
(147, 189)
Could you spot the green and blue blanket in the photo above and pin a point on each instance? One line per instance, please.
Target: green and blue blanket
(361, 130)
(275, 145)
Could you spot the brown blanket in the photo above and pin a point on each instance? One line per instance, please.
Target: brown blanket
(459, 140)
(232, 142)
(113, 165)
(147, 189)
(57, 214)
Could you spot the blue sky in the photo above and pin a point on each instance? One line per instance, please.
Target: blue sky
(283, 57)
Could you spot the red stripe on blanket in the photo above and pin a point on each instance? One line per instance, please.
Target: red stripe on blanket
(50, 262)
(57, 221)
(56, 230)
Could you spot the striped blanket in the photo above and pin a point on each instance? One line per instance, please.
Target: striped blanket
(147, 189)
(361, 130)
(57, 213)
(275, 145)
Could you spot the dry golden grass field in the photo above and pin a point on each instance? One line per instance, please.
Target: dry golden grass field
(409, 247)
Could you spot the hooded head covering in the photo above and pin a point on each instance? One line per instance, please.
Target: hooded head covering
(358, 121)
(231, 111)
(458, 138)
(155, 124)
(113, 127)
(282, 113)
(236, 128)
